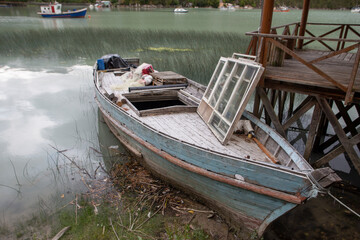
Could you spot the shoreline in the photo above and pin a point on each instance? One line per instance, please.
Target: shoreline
(148, 6)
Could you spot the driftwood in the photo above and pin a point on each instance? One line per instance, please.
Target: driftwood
(61, 233)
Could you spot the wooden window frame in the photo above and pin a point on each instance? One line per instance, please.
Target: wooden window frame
(208, 112)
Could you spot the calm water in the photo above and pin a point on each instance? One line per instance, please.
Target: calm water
(46, 95)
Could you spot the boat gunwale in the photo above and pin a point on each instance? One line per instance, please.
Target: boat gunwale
(300, 173)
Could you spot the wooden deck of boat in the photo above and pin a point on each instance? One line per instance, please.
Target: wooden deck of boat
(296, 77)
(190, 128)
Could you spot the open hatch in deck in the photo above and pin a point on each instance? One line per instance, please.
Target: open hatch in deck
(159, 102)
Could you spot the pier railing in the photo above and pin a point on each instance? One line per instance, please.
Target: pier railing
(338, 43)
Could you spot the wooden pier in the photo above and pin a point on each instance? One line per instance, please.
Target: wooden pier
(324, 70)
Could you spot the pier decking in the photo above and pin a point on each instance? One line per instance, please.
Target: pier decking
(294, 76)
(326, 73)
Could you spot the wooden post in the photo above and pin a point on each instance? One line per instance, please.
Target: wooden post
(282, 100)
(256, 107)
(276, 55)
(340, 36)
(291, 105)
(304, 17)
(270, 111)
(312, 131)
(266, 19)
(349, 93)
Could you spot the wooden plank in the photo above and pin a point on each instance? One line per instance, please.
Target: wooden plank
(186, 128)
(312, 131)
(325, 176)
(320, 41)
(168, 77)
(340, 133)
(256, 106)
(356, 139)
(167, 110)
(344, 108)
(354, 31)
(349, 92)
(303, 103)
(334, 138)
(298, 73)
(308, 90)
(271, 112)
(335, 152)
(291, 104)
(309, 103)
(340, 36)
(312, 67)
(345, 116)
(281, 102)
(348, 57)
(329, 156)
(332, 54)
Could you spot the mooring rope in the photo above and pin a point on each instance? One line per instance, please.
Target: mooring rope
(344, 205)
(317, 185)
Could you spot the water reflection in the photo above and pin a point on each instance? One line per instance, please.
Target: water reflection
(112, 151)
(39, 109)
(53, 23)
(101, 9)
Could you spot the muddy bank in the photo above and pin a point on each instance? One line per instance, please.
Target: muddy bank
(321, 218)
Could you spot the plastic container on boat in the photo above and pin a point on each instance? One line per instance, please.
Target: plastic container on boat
(101, 65)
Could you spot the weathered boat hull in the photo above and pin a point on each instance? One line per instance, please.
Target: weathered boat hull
(73, 14)
(251, 205)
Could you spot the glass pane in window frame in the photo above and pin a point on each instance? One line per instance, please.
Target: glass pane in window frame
(223, 116)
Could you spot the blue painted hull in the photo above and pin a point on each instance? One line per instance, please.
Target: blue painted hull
(72, 14)
(249, 209)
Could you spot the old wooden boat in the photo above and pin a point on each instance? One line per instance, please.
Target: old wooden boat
(178, 129)
(53, 10)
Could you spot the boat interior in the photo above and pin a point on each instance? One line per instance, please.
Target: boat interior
(173, 110)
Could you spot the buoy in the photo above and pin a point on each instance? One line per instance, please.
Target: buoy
(89, 16)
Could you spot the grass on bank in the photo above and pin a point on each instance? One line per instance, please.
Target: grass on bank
(139, 208)
(111, 223)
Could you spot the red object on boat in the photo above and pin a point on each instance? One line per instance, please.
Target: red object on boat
(148, 69)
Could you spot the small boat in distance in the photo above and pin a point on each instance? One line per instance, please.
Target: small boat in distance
(230, 7)
(180, 10)
(355, 9)
(281, 9)
(53, 10)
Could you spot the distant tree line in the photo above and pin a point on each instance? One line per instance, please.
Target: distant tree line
(324, 4)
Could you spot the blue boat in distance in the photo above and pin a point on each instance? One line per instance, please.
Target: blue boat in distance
(53, 10)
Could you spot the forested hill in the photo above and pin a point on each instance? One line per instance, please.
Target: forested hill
(320, 4)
